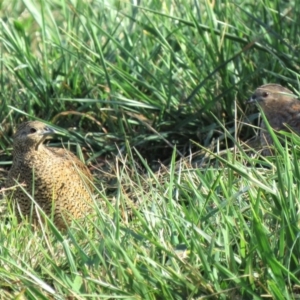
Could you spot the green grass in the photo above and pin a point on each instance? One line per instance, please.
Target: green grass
(158, 92)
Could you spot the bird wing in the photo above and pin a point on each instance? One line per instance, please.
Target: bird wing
(70, 158)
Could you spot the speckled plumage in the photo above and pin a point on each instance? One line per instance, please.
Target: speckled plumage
(281, 108)
(59, 182)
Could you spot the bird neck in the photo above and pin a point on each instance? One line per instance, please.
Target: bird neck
(276, 107)
(23, 154)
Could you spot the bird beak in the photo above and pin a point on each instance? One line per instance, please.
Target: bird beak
(47, 131)
(251, 100)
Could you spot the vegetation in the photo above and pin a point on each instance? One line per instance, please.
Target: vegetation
(153, 97)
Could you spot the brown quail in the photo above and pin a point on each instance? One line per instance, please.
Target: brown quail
(58, 181)
(281, 108)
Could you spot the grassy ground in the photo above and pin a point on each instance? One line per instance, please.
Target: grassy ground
(152, 96)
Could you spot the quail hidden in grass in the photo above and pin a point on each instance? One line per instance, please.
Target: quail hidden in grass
(281, 108)
(55, 178)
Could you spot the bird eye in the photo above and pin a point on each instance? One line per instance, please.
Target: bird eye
(32, 130)
(265, 94)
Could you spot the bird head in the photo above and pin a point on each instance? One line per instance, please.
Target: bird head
(31, 135)
(271, 95)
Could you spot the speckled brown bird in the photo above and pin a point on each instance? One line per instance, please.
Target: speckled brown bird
(281, 108)
(58, 181)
